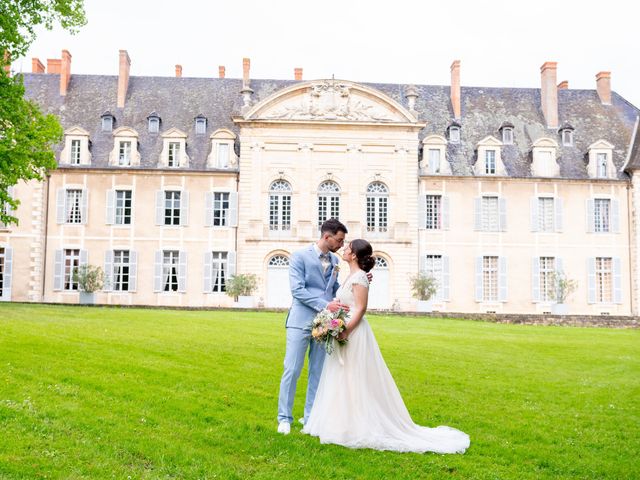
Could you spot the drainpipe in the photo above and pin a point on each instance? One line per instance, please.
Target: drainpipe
(46, 234)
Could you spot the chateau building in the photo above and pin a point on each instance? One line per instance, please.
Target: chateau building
(172, 185)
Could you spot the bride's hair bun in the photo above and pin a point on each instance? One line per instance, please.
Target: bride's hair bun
(363, 251)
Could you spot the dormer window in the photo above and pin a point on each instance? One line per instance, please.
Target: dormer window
(507, 133)
(125, 149)
(566, 132)
(154, 122)
(489, 159)
(174, 149)
(434, 160)
(544, 158)
(75, 152)
(174, 154)
(454, 133)
(490, 162)
(601, 160)
(107, 122)
(222, 154)
(602, 165)
(201, 125)
(76, 147)
(433, 156)
(124, 154)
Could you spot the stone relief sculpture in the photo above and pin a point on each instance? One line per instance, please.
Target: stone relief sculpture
(330, 100)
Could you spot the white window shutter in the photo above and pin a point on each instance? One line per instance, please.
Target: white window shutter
(58, 270)
(207, 268)
(60, 205)
(445, 278)
(559, 265)
(617, 280)
(84, 206)
(422, 263)
(184, 208)
(133, 271)
(84, 257)
(503, 214)
(160, 207)
(534, 214)
(559, 214)
(6, 276)
(231, 264)
(590, 217)
(111, 207)
(615, 216)
(157, 272)
(233, 209)
(422, 211)
(502, 279)
(479, 286)
(445, 213)
(591, 280)
(108, 270)
(535, 279)
(477, 202)
(208, 210)
(182, 271)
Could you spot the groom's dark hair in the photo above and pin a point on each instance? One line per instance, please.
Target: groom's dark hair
(333, 226)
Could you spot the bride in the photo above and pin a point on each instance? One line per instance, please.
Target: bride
(357, 403)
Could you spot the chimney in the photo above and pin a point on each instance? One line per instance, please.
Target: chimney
(221, 71)
(603, 85)
(246, 63)
(455, 88)
(53, 65)
(549, 93)
(563, 85)
(178, 70)
(123, 77)
(36, 66)
(297, 73)
(65, 72)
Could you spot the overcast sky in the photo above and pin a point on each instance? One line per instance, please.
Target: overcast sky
(499, 43)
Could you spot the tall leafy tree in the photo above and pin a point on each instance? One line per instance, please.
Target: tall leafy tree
(27, 136)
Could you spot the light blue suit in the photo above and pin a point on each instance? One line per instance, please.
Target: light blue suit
(312, 290)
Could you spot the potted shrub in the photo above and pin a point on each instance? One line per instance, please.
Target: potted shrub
(90, 279)
(560, 289)
(423, 287)
(242, 286)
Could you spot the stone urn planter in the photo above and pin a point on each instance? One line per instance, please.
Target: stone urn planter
(424, 306)
(559, 308)
(87, 298)
(245, 301)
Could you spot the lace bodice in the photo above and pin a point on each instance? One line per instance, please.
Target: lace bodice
(345, 292)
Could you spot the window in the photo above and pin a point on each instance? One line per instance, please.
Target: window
(75, 152)
(544, 158)
(220, 209)
(490, 162)
(219, 269)
(490, 217)
(123, 207)
(280, 205)
(507, 135)
(124, 154)
(121, 270)
(433, 268)
(490, 279)
(201, 125)
(454, 134)
(604, 284)
(223, 155)
(71, 264)
(567, 137)
(170, 261)
(328, 202)
(434, 160)
(173, 160)
(73, 206)
(377, 207)
(601, 159)
(434, 212)
(546, 217)
(547, 270)
(172, 207)
(601, 211)
(154, 123)
(107, 122)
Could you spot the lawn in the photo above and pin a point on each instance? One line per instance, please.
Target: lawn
(134, 393)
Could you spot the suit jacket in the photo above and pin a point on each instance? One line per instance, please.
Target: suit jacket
(311, 289)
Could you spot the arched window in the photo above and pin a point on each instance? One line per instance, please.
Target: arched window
(280, 206)
(279, 261)
(328, 201)
(377, 207)
(381, 262)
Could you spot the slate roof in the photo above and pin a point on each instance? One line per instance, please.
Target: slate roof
(178, 100)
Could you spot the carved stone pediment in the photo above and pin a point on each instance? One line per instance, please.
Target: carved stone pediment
(331, 100)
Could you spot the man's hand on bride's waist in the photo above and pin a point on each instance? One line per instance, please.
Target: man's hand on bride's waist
(335, 305)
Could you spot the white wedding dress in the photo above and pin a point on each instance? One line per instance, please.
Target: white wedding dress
(358, 405)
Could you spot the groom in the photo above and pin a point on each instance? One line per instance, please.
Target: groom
(313, 278)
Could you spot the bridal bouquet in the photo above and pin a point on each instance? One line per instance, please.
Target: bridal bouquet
(327, 326)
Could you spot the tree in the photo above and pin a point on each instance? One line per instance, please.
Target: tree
(27, 136)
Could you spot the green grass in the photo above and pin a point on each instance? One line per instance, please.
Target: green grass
(133, 393)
